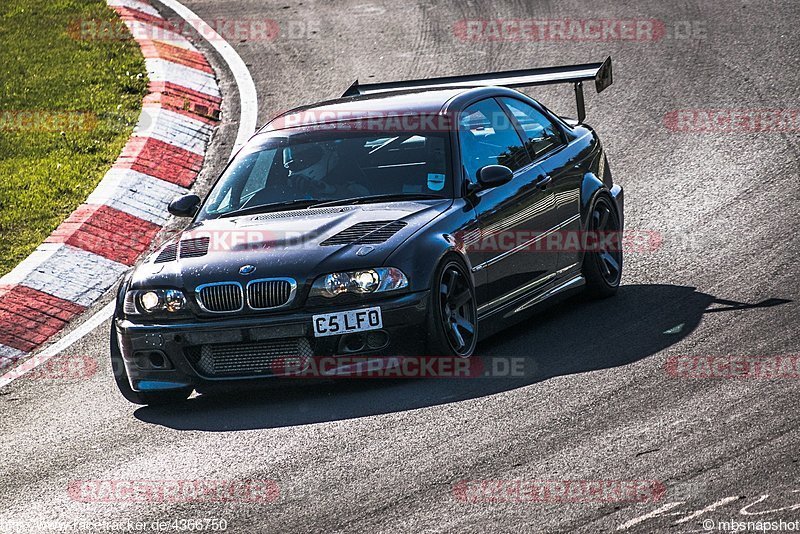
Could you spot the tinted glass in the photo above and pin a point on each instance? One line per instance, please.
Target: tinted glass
(487, 137)
(542, 134)
(332, 165)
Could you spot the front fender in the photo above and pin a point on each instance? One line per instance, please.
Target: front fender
(419, 256)
(121, 290)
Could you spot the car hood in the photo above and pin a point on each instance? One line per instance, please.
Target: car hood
(299, 244)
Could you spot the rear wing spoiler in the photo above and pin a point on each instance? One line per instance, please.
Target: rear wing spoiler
(574, 74)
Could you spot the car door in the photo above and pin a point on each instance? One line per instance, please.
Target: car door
(513, 216)
(548, 146)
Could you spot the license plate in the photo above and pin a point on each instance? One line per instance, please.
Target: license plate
(334, 324)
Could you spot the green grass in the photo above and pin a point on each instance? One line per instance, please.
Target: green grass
(46, 69)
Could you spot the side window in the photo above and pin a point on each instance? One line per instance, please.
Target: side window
(488, 138)
(542, 134)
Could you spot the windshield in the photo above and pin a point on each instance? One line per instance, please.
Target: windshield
(287, 168)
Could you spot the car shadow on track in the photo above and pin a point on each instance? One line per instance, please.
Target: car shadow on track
(575, 336)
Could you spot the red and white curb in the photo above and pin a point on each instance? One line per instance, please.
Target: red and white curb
(85, 256)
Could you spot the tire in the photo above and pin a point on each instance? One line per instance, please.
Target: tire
(138, 397)
(602, 267)
(453, 316)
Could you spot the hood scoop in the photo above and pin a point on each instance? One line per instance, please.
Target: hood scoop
(366, 233)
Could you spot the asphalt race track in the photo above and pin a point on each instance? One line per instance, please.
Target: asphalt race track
(596, 402)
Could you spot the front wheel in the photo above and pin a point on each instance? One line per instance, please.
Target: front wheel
(139, 397)
(453, 312)
(602, 267)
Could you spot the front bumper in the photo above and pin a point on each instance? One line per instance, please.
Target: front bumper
(188, 350)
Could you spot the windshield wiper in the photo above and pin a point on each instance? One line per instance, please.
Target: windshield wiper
(272, 206)
(377, 198)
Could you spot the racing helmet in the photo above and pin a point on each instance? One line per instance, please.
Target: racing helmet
(312, 160)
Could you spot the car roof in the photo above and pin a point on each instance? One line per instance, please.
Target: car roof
(388, 104)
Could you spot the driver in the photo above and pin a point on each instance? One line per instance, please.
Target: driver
(315, 170)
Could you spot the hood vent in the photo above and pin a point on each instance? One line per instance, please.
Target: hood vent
(190, 248)
(167, 254)
(366, 233)
(300, 213)
(194, 248)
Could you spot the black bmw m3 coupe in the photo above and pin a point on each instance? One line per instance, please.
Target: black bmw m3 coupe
(406, 218)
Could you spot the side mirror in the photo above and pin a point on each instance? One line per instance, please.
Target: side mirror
(494, 175)
(185, 206)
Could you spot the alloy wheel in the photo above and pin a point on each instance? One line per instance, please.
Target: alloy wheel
(458, 313)
(605, 226)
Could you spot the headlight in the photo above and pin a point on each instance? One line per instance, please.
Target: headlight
(364, 281)
(151, 301)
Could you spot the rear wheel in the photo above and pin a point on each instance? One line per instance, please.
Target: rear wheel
(453, 312)
(139, 397)
(602, 266)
